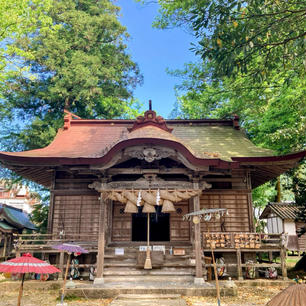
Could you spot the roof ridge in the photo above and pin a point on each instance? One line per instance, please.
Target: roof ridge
(9, 206)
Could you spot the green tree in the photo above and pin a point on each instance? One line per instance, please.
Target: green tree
(232, 34)
(83, 67)
(39, 216)
(274, 116)
(252, 62)
(17, 20)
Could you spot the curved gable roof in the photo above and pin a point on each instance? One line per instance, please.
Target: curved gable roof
(210, 142)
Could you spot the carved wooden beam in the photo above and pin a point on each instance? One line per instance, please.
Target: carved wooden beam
(145, 184)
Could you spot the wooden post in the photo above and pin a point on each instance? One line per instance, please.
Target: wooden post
(101, 241)
(148, 263)
(283, 263)
(65, 277)
(239, 268)
(18, 247)
(270, 256)
(51, 206)
(216, 273)
(197, 241)
(61, 264)
(20, 290)
(250, 202)
(5, 245)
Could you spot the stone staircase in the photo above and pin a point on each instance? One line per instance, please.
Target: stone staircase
(124, 267)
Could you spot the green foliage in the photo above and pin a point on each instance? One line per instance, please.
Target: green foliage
(252, 62)
(272, 113)
(261, 196)
(232, 34)
(81, 66)
(18, 19)
(39, 217)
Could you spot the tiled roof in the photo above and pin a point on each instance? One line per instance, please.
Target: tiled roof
(16, 217)
(83, 140)
(202, 143)
(283, 210)
(5, 227)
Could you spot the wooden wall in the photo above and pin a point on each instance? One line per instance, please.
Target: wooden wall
(179, 229)
(77, 214)
(302, 239)
(75, 208)
(237, 205)
(122, 223)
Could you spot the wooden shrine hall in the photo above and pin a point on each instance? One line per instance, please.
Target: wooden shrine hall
(117, 185)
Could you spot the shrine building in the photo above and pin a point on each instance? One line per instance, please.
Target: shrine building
(108, 178)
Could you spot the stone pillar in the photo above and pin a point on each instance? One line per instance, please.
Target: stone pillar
(101, 241)
(197, 240)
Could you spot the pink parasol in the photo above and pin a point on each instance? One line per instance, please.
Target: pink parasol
(26, 264)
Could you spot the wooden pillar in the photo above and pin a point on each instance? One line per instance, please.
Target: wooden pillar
(18, 247)
(250, 202)
(101, 241)
(283, 263)
(51, 205)
(197, 240)
(61, 264)
(4, 246)
(239, 268)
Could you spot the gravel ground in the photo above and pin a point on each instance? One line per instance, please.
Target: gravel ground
(40, 295)
(247, 296)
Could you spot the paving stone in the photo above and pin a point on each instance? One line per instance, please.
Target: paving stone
(148, 300)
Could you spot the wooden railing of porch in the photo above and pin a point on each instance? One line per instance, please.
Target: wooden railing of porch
(247, 242)
(264, 243)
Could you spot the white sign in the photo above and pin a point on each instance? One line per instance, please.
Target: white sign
(160, 248)
(143, 248)
(119, 251)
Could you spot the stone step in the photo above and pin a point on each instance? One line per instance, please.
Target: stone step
(147, 296)
(131, 271)
(141, 279)
(132, 264)
(148, 300)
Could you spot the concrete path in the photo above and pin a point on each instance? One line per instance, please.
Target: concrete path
(148, 300)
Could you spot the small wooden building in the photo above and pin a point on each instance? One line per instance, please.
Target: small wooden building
(12, 221)
(89, 160)
(283, 218)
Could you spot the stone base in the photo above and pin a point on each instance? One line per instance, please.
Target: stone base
(99, 281)
(198, 281)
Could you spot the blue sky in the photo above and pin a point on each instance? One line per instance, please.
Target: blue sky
(154, 50)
